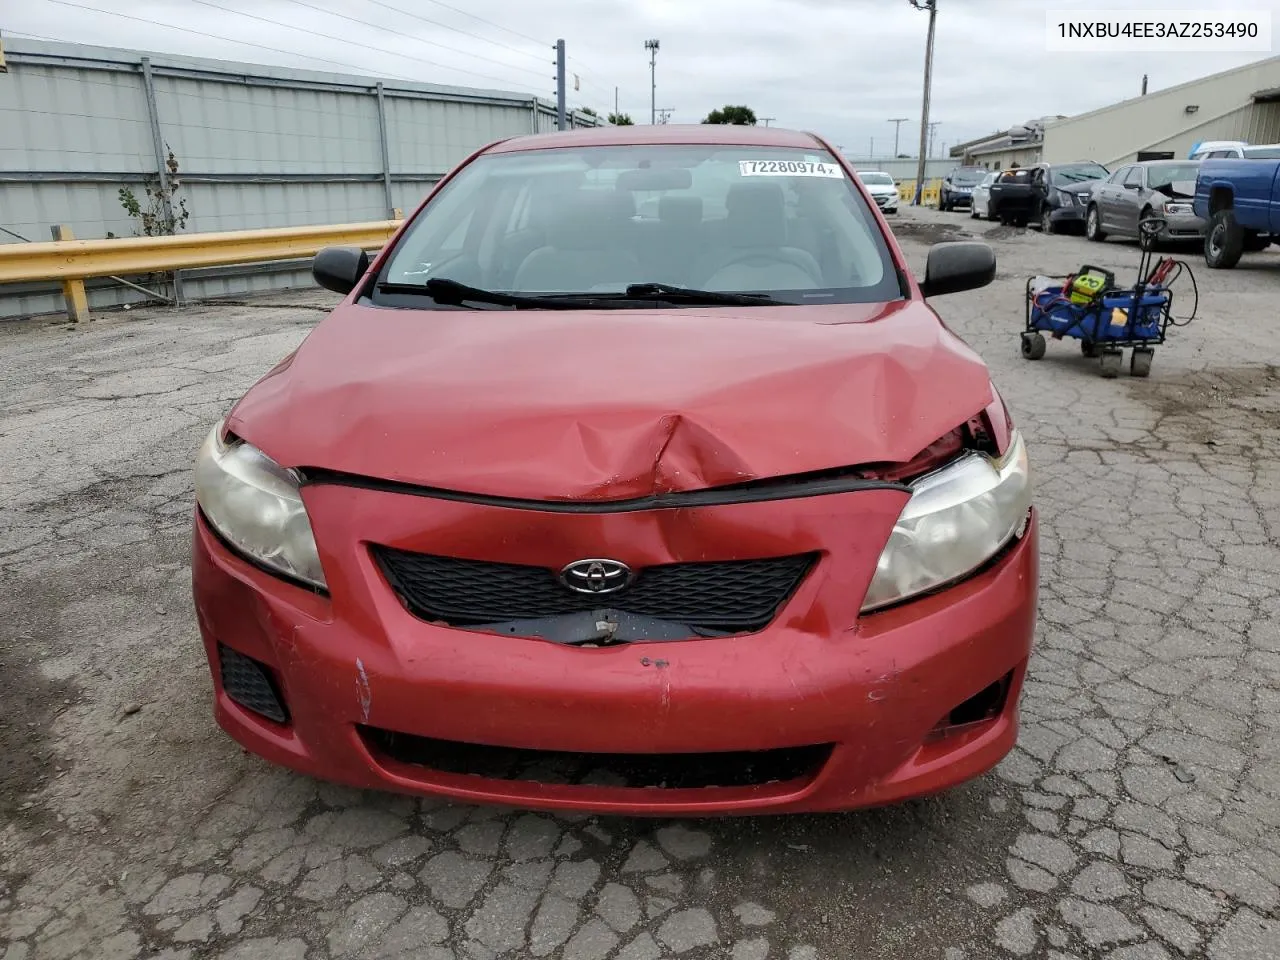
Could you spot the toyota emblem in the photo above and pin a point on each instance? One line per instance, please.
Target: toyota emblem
(596, 576)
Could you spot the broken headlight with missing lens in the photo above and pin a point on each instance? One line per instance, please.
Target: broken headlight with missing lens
(957, 519)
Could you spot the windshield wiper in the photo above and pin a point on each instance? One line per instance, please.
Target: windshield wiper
(443, 290)
(672, 294)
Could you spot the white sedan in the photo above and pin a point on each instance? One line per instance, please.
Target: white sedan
(980, 209)
(882, 187)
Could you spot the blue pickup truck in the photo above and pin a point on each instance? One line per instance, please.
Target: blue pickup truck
(1239, 199)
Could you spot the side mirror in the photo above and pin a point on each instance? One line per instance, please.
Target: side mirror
(958, 265)
(339, 268)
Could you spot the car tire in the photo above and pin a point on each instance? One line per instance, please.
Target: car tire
(1223, 241)
(1046, 221)
(1093, 224)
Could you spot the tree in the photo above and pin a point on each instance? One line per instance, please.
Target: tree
(741, 115)
(621, 120)
(588, 111)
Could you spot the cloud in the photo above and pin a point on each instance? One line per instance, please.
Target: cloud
(838, 67)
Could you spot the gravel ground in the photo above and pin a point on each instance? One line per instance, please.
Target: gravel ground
(1138, 819)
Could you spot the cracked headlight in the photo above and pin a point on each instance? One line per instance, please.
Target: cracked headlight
(255, 505)
(1178, 209)
(958, 517)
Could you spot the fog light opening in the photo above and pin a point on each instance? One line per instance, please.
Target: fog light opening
(251, 685)
(979, 709)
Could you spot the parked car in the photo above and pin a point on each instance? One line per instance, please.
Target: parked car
(714, 504)
(1050, 196)
(980, 202)
(1010, 198)
(882, 187)
(1217, 149)
(1237, 149)
(1161, 188)
(957, 186)
(1239, 199)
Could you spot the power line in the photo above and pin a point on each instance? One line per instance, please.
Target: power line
(376, 26)
(465, 33)
(214, 36)
(346, 40)
(499, 26)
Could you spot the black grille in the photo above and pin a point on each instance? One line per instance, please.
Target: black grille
(719, 597)
(249, 684)
(742, 768)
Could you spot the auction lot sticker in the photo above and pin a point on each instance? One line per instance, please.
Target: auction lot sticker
(789, 168)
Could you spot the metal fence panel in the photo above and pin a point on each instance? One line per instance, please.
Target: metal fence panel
(257, 146)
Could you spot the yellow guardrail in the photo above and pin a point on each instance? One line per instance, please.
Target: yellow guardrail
(928, 196)
(72, 261)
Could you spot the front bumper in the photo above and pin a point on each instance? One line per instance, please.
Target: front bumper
(1182, 226)
(874, 689)
(1075, 213)
(887, 202)
(958, 199)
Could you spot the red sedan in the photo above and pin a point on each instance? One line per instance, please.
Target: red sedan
(635, 475)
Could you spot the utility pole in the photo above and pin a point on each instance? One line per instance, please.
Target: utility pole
(872, 153)
(933, 130)
(615, 101)
(664, 114)
(652, 47)
(767, 120)
(561, 122)
(897, 126)
(932, 7)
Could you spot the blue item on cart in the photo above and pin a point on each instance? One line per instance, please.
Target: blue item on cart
(1111, 317)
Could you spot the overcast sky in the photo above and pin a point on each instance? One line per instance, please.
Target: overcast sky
(838, 67)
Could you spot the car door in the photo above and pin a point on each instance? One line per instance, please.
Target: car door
(1104, 197)
(1039, 190)
(1130, 200)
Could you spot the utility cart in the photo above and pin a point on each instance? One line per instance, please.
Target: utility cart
(1088, 306)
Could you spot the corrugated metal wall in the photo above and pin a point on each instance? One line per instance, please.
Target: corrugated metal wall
(257, 146)
(1169, 119)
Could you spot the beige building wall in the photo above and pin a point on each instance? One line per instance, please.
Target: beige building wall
(1224, 110)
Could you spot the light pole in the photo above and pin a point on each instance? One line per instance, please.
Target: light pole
(897, 126)
(932, 7)
(652, 47)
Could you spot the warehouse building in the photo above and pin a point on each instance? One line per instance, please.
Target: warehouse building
(1017, 146)
(1239, 104)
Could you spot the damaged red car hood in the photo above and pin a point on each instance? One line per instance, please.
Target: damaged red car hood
(612, 404)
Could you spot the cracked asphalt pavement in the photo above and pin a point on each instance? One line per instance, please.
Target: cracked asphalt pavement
(1138, 818)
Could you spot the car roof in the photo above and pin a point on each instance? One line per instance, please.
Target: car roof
(1162, 163)
(664, 133)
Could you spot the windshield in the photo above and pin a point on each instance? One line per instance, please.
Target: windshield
(1163, 176)
(1077, 173)
(595, 219)
(968, 177)
(876, 179)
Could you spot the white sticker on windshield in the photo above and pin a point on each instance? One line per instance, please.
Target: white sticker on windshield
(789, 168)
